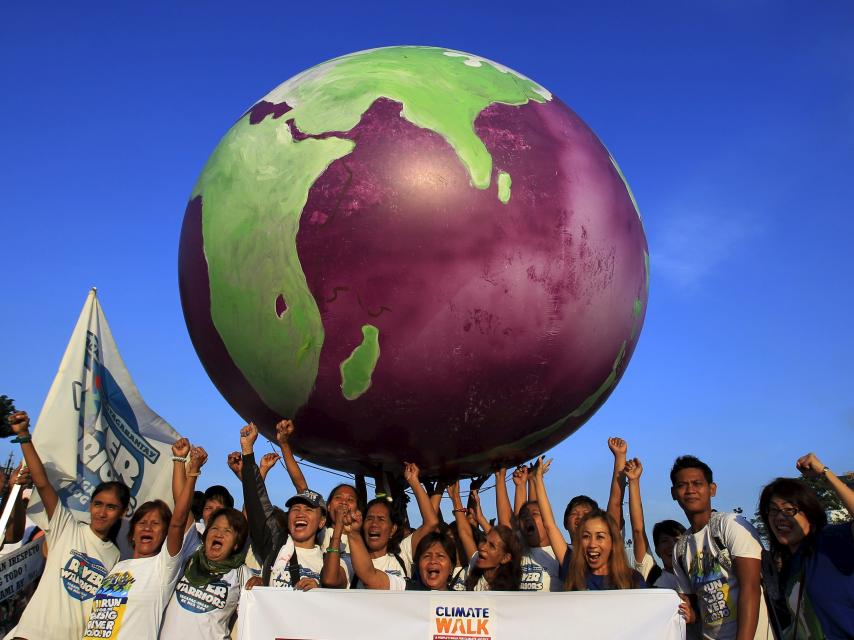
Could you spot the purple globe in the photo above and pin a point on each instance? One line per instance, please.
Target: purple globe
(419, 255)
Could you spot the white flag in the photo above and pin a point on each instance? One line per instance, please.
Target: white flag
(95, 427)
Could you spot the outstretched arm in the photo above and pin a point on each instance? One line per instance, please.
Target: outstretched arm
(436, 498)
(429, 518)
(20, 423)
(333, 575)
(463, 526)
(284, 430)
(520, 495)
(502, 499)
(633, 471)
(177, 525)
(556, 539)
(481, 519)
(259, 510)
(180, 451)
(618, 447)
(811, 467)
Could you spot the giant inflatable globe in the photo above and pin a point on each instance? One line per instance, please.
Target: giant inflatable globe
(418, 254)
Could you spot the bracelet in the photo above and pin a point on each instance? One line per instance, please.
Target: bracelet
(460, 510)
(381, 494)
(194, 475)
(179, 459)
(823, 471)
(333, 550)
(24, 439)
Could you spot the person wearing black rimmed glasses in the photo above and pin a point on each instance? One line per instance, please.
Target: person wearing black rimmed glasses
(816, 558)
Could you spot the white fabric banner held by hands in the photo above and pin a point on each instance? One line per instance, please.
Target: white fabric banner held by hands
(328, 614)
(94, 425)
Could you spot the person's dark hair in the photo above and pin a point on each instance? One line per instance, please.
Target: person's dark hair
(144, 509)
(577, 501)
(441, 536)
(220, 494)
(198, 505)
(123, 494)
(527, 504)
(804, 498)
(360, 502)
(508, 576)
(690, 462)
(236, 521)
(666, 528)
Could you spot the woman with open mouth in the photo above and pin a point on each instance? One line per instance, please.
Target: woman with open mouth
(132, 598)
(816, 558)
(81, 554)
(600, 563)
(376, 552)
(497, 563)
(205, 598)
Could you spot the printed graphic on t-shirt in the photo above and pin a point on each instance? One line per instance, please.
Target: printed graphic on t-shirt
(105, 620)
(202, 599)
(282, 579)
(712, 589)
(82, 575)
(532, 577)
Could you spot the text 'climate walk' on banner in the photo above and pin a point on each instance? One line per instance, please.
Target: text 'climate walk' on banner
(321, 614)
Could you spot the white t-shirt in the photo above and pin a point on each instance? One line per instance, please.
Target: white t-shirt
(77, 562)
(644, 566)
(667, 580)
(389, 565)
(325, 537)
(458, 579)
(310, 565)
(204, 612)
(132, 598)
(406, 554)
(717, 590)
(540, 570)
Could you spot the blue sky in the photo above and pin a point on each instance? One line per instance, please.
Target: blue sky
(732, 121)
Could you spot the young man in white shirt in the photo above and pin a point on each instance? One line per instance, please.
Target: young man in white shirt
(717, 562)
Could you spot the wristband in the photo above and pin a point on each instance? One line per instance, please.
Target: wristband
(179, 459)
(823, 471)
(22, 439)
(194, 475)
(381, 494)
(460, 510)
(332, 550)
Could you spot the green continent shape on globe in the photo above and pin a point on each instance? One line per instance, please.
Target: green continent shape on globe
(256, 182)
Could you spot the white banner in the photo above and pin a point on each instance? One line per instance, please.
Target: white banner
(94, 426)
(20, 567)
(326, 614)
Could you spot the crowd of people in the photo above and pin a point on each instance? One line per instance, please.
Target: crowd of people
(188, 564)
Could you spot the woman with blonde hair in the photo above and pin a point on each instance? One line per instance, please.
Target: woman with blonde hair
(600, 561)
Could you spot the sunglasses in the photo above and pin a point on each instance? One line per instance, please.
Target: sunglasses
(789, 512)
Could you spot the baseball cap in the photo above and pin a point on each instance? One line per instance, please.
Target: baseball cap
(309, 497)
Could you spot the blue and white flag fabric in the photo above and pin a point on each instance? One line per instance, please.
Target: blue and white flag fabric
(95, 427)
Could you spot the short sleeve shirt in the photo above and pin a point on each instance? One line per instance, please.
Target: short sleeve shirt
(132, 598)
(204, 612)
(77, 562)
(540, 570)
(715, 586)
